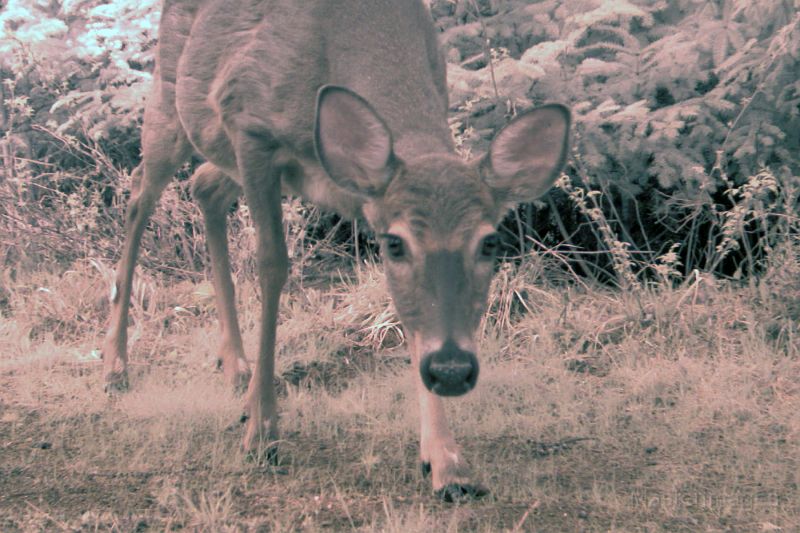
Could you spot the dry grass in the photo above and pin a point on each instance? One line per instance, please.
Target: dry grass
(657, 410)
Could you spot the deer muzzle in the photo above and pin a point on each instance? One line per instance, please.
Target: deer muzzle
(450, 371)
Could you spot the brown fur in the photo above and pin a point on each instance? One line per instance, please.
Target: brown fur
(237, 83)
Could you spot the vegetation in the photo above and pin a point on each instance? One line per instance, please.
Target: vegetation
(640, 371)
(656, 409)
(687, 119)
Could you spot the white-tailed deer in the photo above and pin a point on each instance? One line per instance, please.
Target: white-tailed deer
(343, 102)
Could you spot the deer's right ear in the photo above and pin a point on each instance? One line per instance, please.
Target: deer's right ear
(528, 154)
(353, 143)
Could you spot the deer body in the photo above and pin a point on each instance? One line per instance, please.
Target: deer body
(345, 104)
(258, 70)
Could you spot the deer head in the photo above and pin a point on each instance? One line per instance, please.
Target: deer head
(436, 216)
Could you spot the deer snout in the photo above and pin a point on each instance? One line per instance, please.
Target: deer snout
(450, 371)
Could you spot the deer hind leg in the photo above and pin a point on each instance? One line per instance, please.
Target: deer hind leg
(164, 148)
(441, 457)
(260, 177)
(216, 193)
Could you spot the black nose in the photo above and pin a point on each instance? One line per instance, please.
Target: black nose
(450, 371)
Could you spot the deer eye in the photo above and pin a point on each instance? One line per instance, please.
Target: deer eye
(395, 247)
(490, 246)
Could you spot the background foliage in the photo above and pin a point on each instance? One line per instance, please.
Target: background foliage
(686, 144)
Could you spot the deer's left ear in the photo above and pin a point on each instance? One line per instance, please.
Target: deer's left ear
(527, 155)
(353, 143)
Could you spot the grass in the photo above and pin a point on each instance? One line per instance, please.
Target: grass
(656, 409)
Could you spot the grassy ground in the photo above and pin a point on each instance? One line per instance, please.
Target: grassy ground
(652, 410)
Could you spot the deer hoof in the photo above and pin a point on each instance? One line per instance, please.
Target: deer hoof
(260, 446)
(425, 468)
(460, 493)
(264, 455)
(116, 382)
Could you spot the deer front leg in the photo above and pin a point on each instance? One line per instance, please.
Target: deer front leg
(440, 456)
(263, 193)
(216, 193)
(164, 148)
(115, 349)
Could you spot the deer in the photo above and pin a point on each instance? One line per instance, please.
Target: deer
(343, 103)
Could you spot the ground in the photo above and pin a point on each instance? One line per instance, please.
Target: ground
(654, 409)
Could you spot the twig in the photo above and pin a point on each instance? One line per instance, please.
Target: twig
(532, 507)
(486, 49)
(63, 525)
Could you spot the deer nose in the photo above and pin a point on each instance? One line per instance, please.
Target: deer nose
(450, 371)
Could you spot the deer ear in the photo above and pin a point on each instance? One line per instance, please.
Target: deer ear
(527, 155)
(353, 143)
